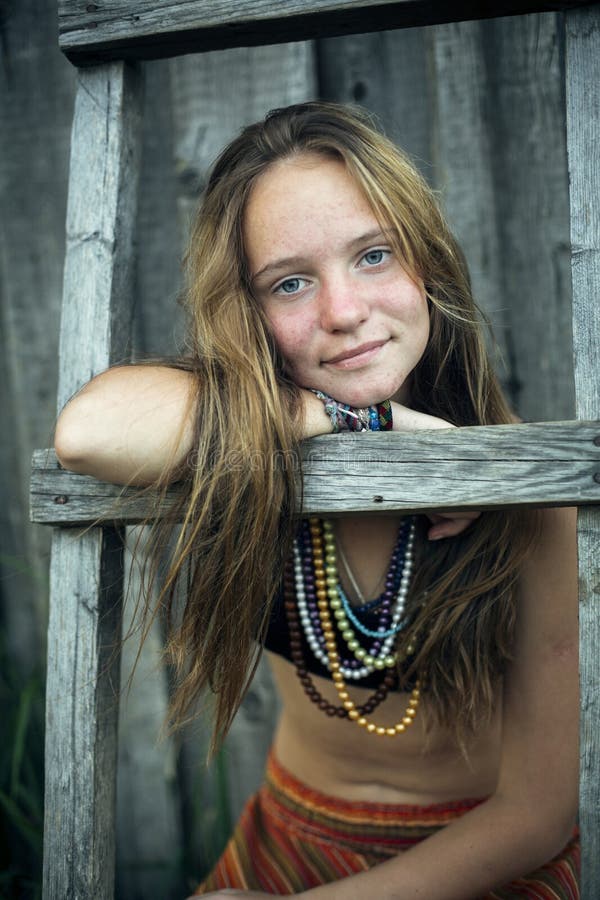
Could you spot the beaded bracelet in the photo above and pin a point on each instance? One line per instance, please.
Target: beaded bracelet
(384, 411)
(349, 418)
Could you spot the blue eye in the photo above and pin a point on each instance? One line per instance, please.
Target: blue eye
(289, 286)
(375, 257)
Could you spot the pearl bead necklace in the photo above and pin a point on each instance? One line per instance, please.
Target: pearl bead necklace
(348, 709)
(344, 615)
(310, 633)
(382, 655)
(388, 682)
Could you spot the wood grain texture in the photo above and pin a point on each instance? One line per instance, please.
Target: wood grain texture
(86, 581)
(157, 319)
(503, 180)
(545, 464)
(387, 72)
(149, 832)
(525, 109)
(87, 570)
(98, 279)
(583, 146)
(463, 162)
(94, 32)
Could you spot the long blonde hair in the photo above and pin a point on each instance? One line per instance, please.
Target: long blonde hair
(242, 477)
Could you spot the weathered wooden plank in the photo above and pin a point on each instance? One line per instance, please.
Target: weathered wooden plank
(86, 582)
(545, 464)
(98, 278)
(503, 180)
(92, 32)
(464, 162)
(386, 72)
(583, 147)
(525, 106)
(87, 570)
(157, 321)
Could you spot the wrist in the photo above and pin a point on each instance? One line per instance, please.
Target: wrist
(315, 420)
(344, 417)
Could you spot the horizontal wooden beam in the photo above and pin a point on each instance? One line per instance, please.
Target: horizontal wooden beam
(90, 33)
(545, 464)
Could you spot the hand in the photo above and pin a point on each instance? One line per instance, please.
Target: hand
(449, 524)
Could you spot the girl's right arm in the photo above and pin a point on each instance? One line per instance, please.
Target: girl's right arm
(128, 424)
(131, 423)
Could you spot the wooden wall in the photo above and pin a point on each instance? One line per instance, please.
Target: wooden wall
(480, 108)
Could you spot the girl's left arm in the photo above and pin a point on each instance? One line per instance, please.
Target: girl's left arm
(530, 816)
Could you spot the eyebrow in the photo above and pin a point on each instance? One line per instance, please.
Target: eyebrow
(293, 262)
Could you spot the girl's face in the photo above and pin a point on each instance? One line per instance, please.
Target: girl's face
(346, 317)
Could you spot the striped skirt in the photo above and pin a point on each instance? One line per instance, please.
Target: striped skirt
(291, 838)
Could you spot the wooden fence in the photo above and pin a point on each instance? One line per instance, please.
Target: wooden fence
(504, 179)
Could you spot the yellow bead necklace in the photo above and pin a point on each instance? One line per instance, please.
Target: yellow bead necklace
(353, 714)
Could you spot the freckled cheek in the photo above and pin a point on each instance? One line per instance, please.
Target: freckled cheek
(292, 342)
(415, 309)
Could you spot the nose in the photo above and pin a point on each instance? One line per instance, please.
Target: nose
(342, 306)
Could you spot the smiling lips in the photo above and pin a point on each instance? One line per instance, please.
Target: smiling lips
(357, 356)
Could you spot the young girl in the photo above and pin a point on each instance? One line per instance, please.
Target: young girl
(427, 666)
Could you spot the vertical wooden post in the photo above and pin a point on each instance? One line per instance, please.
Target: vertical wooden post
(86, 580)
(583, 142)
(86, 576)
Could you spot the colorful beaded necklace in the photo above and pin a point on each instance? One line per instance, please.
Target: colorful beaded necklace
(313, 595)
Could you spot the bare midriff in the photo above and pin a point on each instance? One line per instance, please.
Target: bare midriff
(336, 756)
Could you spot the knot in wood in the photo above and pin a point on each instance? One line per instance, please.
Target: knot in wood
(61, 499)
(377, 498)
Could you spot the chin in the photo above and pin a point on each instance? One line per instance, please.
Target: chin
(386, 389)
(362, 398)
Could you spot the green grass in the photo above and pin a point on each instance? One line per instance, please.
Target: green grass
(21, 782)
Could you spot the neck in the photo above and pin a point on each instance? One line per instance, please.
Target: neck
(368, 543)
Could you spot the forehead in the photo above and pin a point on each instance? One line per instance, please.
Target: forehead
(304, 196)
(298, 175)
